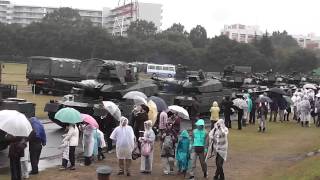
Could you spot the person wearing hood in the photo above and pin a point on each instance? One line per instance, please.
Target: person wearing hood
(88, 142)
(37, 139)
(304, 109)
(167, 153)
(124, 137)
(147, 148)
(219, 145)
(249, 109)
(295, 99)
(183, 152)
(214, 113)
(199, 148)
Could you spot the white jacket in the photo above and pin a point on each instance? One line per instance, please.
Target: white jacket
(72, 136)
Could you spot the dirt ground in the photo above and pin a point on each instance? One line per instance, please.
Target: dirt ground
(251, 155)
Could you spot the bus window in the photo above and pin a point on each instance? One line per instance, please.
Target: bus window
(158, 67)
(171, 69)
(151, 67)
(165, 68)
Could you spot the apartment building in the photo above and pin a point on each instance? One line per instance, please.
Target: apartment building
(116, 20)
(241, 33)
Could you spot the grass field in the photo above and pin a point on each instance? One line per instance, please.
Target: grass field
(13, 73)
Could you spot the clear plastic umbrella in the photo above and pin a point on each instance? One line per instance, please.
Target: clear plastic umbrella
(113, 109)
(134, 94)
(139, 100)
(183, 113)
(15, 123)
(309, 86)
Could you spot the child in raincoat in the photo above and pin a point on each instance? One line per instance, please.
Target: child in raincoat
(183, 152)
(65, 154)
(168, 139)
(214, 113)
(147, 144)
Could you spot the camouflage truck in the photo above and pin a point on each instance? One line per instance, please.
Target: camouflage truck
(41, 70)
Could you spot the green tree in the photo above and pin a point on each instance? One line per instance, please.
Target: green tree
(265, 46)
(141, 29)
(302, 60)
(198, 37)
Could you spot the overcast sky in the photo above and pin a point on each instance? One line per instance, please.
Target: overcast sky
(295, 16)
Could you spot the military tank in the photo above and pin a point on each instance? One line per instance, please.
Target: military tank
(111, 81)
(234, 76)
(8, 100)
(184, 92)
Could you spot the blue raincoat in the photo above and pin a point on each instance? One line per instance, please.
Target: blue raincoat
(183, 151)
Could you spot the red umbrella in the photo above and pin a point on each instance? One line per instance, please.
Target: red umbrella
(90, 120)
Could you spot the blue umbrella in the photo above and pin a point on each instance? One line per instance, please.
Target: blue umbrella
(38, 129)
(160, 103)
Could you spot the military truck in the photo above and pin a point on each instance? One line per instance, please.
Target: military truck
(41, 70)
(111, 80)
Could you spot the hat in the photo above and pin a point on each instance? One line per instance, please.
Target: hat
(200, 122)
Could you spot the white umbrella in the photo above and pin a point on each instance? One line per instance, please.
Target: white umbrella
(15, 123)
(139, 100)
(134, 94)
(113, 109)
(309, 86)
(183, 113)
(240, 103)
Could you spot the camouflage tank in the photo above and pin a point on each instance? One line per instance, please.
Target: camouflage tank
(111, 81)
(184, 92)
(233, 76)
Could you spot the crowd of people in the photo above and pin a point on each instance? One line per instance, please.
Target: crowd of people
(135, 137)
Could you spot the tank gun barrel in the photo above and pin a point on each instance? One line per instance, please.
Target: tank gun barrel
(171, 82)
(71, 83)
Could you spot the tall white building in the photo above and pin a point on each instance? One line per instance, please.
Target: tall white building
(24, 15)
(241, 33)
(121, 17)
(116, 20)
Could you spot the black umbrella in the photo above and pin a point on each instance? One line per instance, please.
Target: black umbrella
(161, 104)
(263, 99)
(278, 91)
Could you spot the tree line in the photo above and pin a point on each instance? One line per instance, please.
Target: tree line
(64, 33)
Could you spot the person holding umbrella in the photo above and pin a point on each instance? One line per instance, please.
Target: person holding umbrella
(17, 127)
(37, 140)
(71, 117)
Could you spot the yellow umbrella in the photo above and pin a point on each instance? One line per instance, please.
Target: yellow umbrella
(153, 112)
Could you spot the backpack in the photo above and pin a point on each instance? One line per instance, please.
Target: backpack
(167, 144)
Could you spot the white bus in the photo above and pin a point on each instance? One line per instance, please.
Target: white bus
(161, 70)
